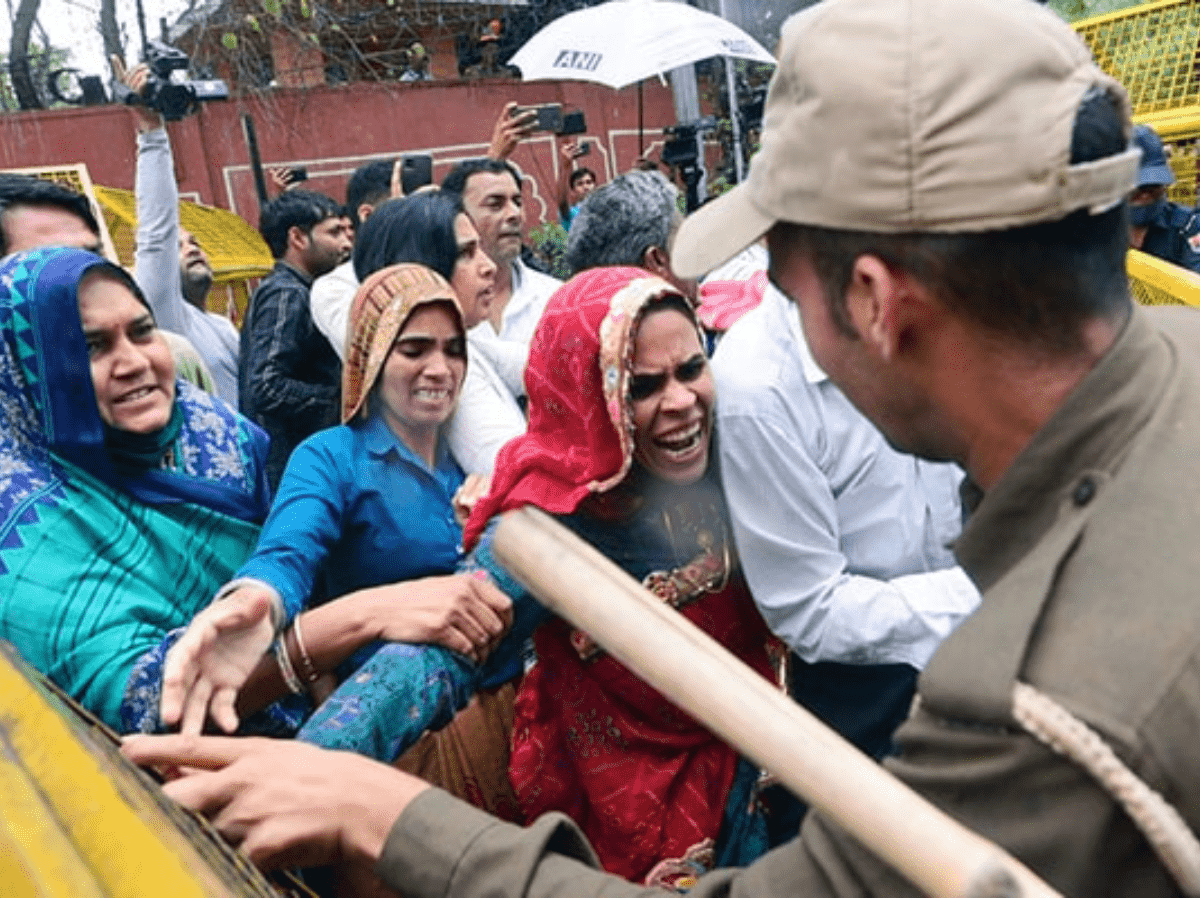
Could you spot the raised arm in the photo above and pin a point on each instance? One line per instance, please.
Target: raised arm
(510, 130)
(156, 258)
(569, 151)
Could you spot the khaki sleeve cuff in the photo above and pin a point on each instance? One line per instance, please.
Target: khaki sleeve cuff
(428, 840)
(441, 846)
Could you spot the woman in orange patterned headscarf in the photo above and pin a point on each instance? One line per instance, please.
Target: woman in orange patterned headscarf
(364, 518)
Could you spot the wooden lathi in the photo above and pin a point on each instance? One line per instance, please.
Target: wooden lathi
(929, 847)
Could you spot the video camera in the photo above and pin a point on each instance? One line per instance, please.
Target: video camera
(682, 150)
(168, 90)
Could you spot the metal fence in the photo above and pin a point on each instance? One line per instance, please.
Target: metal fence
(1154, 50)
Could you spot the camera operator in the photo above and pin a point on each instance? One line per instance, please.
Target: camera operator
(169, 264)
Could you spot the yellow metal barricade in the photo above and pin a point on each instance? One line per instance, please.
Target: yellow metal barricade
(1154, 50)
(77, 819)
(235, 249)
(1156, 282)
(77, 179)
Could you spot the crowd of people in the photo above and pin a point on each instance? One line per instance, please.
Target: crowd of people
(882, 421)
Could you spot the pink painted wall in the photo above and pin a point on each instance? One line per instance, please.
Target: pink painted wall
(332, 130)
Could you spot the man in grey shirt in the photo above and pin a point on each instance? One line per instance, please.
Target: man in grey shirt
(169, 265)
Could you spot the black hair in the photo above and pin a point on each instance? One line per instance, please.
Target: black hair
(370, 183)
(416, 229)
(297, 208)
(456, 180)
(1039, 283)
(675, 301)
(25, 190)
(116, 273)
(579, 173)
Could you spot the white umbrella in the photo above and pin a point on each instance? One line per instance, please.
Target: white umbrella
(624, 41)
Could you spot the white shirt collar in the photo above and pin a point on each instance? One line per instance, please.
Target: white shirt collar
(813, 373)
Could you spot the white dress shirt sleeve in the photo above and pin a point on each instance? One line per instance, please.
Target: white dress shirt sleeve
(786, 526)
(487, 417)
(507, 358)
(330, 300)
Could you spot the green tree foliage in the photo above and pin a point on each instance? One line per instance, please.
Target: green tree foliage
(40, 63)
(1072, 10)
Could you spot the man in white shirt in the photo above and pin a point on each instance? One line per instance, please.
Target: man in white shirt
(491, 192)
(333, 293)
(843, 540)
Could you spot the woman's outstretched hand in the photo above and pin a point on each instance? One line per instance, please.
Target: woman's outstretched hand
(207, 667)
(464, 613)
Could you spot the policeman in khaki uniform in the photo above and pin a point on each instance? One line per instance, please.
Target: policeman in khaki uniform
(1156, 225)
(952, 228)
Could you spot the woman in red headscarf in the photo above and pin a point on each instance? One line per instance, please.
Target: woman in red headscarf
(619, 449)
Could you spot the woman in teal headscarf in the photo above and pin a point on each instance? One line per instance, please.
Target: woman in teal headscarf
(127, 497)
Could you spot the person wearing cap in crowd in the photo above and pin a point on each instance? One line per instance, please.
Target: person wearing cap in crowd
(489, 65)
(1156, 225)
(418, 64)
(953, 229)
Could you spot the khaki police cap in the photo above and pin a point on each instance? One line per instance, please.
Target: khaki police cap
(916, 116)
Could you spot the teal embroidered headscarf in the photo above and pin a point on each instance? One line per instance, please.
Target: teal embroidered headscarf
(99, 561)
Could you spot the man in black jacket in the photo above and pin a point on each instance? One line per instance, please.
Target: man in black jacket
(289, 377)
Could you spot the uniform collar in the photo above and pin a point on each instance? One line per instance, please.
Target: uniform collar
(1025, 526)
(1086, 438)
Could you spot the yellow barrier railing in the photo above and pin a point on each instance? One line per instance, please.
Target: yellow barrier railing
(1154, 50)
(1151, 49)
(1155, 282)
(77, 819)
(236, 250)
(76, 178)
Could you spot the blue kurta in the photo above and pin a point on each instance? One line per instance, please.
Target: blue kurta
(356, 508)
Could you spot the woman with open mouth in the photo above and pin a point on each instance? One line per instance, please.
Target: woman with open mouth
(431, 228)
(619, 448)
